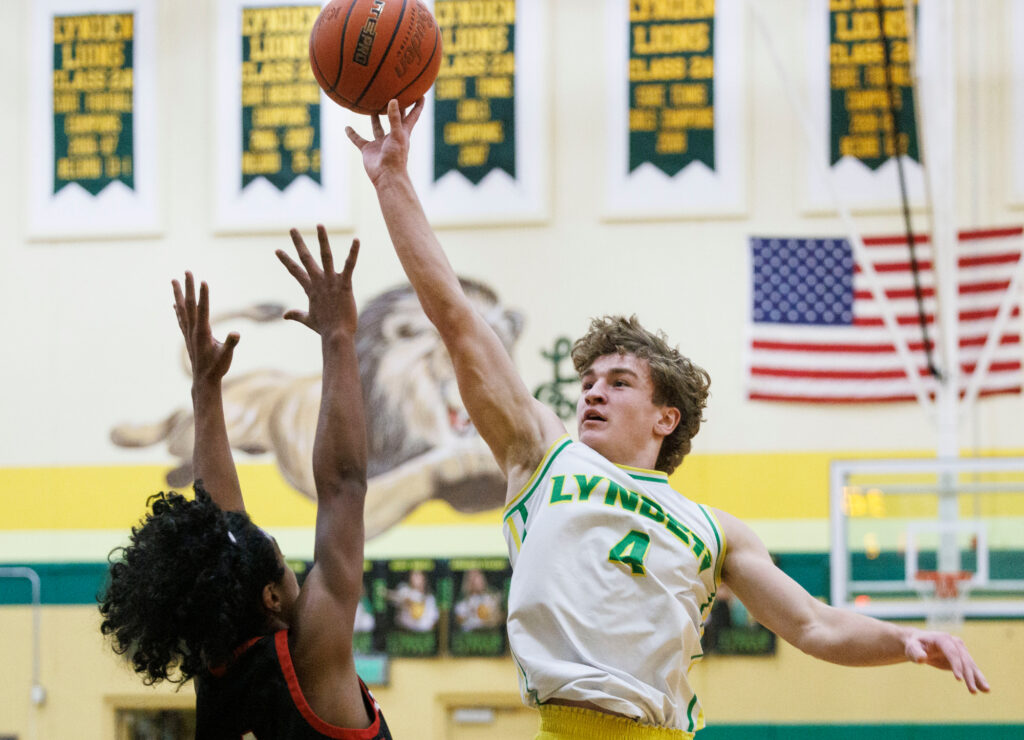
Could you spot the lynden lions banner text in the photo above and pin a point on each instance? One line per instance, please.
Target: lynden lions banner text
(674, 117)
(475, 93)
(93, 129)
(484, 159)
(281, 154)
(280, 97)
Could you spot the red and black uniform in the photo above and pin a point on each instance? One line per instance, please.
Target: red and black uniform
(259, 693)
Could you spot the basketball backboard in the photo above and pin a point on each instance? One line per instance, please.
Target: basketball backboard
(928, 538)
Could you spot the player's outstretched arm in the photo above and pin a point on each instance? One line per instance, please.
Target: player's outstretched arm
(515, 426)
(326, 608)
(210, 360)
(836, 635)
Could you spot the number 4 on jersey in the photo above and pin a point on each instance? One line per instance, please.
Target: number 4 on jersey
(631, 550)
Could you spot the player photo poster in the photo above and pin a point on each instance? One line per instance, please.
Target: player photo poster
(480, 152)
(730, 630)
(674, 123)
(282, 154)
(412, 608)
(94, 130)
(367, 632)
(479, 606)
(862, 102)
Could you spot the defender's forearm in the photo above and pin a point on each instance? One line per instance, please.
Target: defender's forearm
(339, 450)
(211, 454)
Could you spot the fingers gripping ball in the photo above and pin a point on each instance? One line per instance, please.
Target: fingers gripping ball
(366, 52)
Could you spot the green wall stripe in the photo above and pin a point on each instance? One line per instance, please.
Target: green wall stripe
(79, 583)
(61, 583)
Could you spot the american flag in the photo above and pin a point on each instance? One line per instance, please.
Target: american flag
(817, 334)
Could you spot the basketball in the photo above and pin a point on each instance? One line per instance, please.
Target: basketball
(366, 52)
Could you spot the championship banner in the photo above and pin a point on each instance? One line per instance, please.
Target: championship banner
(671, 86)
(93, 140)
(862, 100)
(92, 100)
(280, 97)
(482, 158)
(872, 94)
(281, 150)
(1017, 119)
(675, 143)
(474, 96)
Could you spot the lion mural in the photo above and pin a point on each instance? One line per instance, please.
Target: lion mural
(422, 444)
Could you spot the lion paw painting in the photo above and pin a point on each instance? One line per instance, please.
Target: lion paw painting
(422, 445)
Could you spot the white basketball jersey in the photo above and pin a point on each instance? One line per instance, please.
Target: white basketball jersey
(614, 573)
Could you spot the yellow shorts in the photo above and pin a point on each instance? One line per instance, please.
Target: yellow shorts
(575, 723)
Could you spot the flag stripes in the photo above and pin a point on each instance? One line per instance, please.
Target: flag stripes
(817, 334)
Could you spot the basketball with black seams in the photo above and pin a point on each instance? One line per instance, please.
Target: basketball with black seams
(366, 52)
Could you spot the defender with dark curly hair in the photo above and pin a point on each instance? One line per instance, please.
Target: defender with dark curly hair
(614, 571)
(201, 593)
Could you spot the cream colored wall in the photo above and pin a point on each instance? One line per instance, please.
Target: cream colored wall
(98, 347)
(90, 341)
(85, 682)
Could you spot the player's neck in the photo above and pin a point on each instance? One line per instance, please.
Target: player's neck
(644, 459)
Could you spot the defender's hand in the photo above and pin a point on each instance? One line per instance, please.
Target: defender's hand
(332, 305)
(210, 358)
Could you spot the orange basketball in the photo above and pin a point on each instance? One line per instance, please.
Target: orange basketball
(366, 52)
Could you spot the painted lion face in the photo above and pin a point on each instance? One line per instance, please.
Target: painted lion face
(412, 398)
(416, 421)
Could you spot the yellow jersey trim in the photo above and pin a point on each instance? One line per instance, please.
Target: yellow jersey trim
(644, 473)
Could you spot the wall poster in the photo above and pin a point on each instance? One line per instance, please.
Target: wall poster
(282, 155)
(93, 126)
(480, 152)
(864, 113)
(675, 123)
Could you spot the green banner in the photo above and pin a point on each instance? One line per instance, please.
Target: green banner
(864, 35)
(93, 100)
(671, 84)
(474, 96)
(280, 96)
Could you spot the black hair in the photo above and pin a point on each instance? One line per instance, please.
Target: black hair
(188, 588)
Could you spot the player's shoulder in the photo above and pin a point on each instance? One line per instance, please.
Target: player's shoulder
(740, 535)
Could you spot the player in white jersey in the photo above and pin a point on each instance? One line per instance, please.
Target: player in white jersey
(612, 569)
(645, 562)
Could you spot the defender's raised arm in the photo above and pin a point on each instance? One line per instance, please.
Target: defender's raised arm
(515, 426)
(325, 610)
(210, 360)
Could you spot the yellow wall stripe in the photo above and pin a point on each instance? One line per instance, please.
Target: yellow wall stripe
(115, 497)
(759, 486)
(791, 485)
